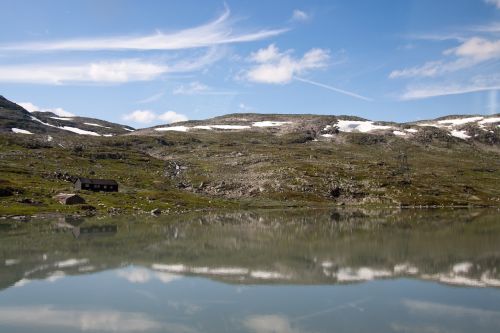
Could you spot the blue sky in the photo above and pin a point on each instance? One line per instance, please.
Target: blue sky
(143, 63)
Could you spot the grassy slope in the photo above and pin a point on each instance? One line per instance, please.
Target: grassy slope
(251, 169)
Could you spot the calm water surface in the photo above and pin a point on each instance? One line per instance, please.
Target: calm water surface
(264, 271)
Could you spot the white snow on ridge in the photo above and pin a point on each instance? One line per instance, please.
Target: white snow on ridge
(63, 118)
(230, 127)
(204, 127)
(490, 120)
(67, 128)
(128, 129)
(460, 121)
(399, 133)
(97, 125)
(268, 123)
(359, 126)
(172, 128)
(79, 131)
(460, 134)
(20, 131)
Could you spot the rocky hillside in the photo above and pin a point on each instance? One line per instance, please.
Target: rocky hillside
(249, 160)
(15, 119)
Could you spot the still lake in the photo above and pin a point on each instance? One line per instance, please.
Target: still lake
(254, 271)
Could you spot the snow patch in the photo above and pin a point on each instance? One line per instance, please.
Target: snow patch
(230, 127)
(97, 125)
(459, 121)
(270, 123)
(172, 128)
(399, 133)
(361, 274)
(204, 127)
(128, 129)
(359, 126)
(179, 268)
(10, 262)
(20, 131)
(79, 131)
(62, 118)
(463, 267)
(411, 130)
(67, 128)
(490, 120)
(460, 134)
(71, 263)
(405, 269)
(264, 275)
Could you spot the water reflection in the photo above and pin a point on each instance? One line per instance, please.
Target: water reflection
(273, 271)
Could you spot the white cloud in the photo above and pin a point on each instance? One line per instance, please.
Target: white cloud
(271, 53)
(58, 111)
(172, 117)
(147, 117)
(300, 16)
(142, 275)
(479, 49)
(135, 275)
(213, 33)
(469, 53)
(274, 67)
(104, 72)
(496, 3)
(141, 116)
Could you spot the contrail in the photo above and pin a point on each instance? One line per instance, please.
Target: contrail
(341, 91)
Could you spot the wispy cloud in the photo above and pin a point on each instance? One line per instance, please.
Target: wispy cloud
(478, 84)
(148, 116)
(217, 32)
(300, 16)
(341, 91)
(495, 3)
(469, 53)
(275, 67)
(151, 98)
(106, 72)
(198, 88)
(98, 72)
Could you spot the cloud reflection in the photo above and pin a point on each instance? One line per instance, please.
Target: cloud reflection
(105, 321)
(270, 324)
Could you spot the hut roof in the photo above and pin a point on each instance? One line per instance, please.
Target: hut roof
(97, 181)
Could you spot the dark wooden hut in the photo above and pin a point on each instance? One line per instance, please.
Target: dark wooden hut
(97, 185)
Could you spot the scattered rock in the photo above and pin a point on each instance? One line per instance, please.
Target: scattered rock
(69, 199)
(156, 212)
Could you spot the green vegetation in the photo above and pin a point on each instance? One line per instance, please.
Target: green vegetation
(210, 169)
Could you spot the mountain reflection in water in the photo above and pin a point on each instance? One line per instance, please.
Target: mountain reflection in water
(270, 271)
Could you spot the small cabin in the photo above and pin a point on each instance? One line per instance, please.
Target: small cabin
(97, 185)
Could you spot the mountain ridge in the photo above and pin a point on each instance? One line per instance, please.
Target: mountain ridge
(249, 160)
